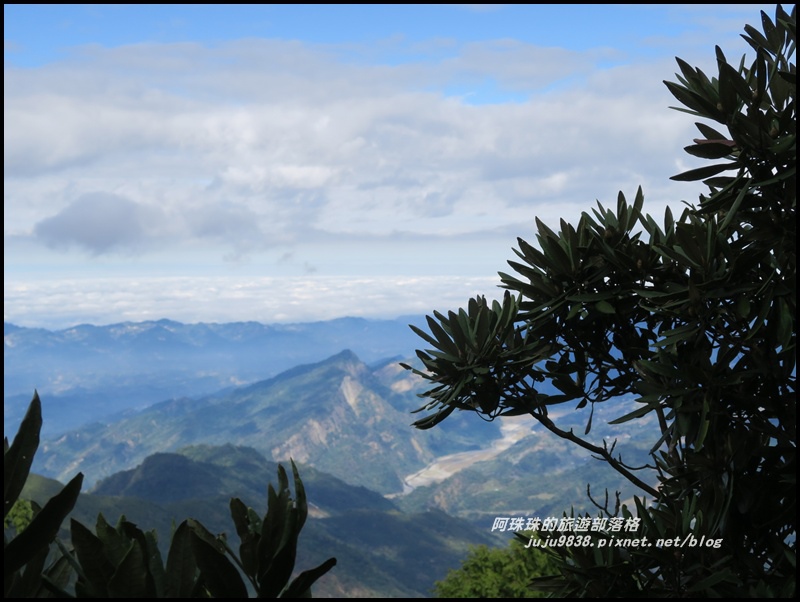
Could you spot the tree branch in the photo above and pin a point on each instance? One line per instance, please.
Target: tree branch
(603, 453)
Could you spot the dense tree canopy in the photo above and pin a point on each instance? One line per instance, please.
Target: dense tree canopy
(496, 573)
(694, 316)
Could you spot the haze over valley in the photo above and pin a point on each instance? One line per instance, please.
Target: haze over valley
(117, 397)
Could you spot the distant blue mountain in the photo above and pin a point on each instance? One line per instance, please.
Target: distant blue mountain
(90, 372)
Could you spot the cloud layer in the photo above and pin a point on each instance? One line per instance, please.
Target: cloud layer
(380, 161)
(62, 303)
(286, 138)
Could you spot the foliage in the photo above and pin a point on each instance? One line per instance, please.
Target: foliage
(496, 573)
(25, 556)
(695, 317)
(20, 515)
(125, 562)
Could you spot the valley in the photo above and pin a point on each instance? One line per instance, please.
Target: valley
(398, 506)
(512, 430)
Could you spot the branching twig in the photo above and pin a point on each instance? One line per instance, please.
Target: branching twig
(604, 454)
(604, 507)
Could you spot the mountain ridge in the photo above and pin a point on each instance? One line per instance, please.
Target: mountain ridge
(93, 372)
(336, 415)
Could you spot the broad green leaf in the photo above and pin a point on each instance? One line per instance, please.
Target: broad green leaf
(130, 577)
(181, 572)
(17, 459)
(218, 573)
(95, 567)
(248, 538)
(604, 307)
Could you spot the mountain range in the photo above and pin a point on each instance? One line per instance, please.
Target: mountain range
(338, 415)
(89, 372)
(371, 478)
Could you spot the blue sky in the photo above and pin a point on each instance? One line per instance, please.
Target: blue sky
(291, 163)
(46, 33)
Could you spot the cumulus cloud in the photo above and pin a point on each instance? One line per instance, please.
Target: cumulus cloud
(101, 222)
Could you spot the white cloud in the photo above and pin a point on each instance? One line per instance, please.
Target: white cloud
(64, 303)
(174, 115)
(340, 165)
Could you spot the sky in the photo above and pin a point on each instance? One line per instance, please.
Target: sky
(295, 163)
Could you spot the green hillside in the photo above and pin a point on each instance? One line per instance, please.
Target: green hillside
(381, 550)
(338, 416)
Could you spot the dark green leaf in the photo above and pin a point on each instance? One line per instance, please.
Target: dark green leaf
(702, 173)
(18, 458)
(710, 150)
(604, 307)
(96, 569)
(301, 585)
(130, 577)
(218, 573)
(181, 571)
